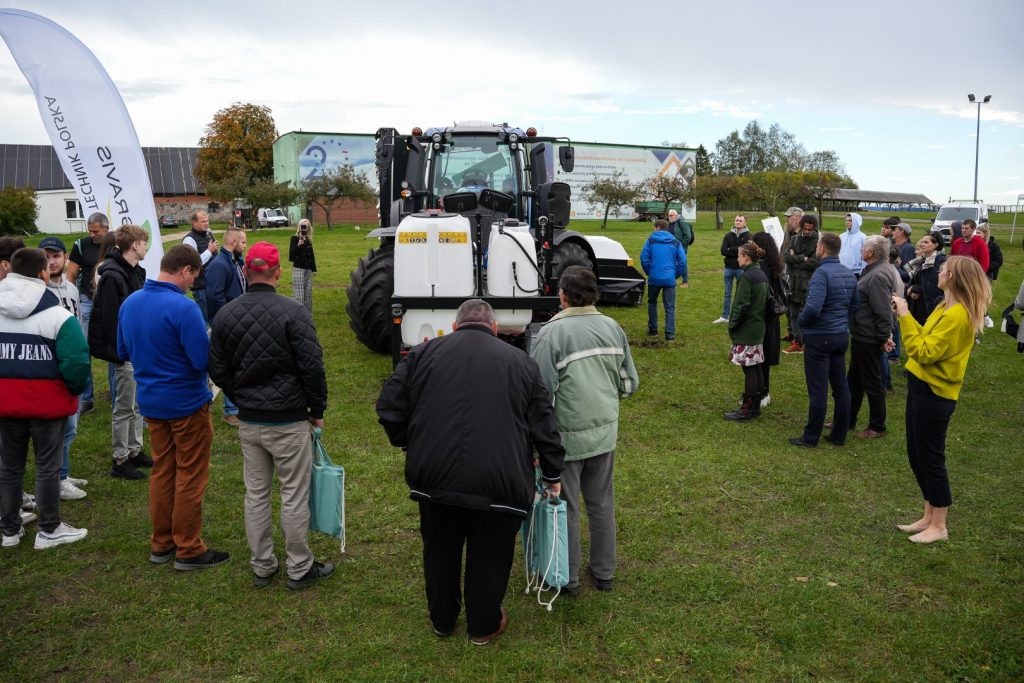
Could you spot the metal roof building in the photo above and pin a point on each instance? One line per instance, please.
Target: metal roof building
(873, 197)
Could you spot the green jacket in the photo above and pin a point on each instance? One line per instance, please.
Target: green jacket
(749, 302)
(585, 362)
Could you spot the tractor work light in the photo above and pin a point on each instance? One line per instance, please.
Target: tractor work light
(531, 132)
(512, 137)
(436, 137)
(501, 136)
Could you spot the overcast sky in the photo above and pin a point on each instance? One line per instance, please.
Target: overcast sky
(883, 83)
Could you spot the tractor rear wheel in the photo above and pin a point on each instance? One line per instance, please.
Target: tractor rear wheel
(569, 254)
(369, 298)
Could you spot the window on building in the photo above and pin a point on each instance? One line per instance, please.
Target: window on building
(73, 208)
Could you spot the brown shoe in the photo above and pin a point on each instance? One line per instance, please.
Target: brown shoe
(483, 640)
(232, 420)
(869, 434)
(793, 348)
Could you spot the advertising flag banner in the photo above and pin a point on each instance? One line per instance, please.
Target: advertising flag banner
(88, 124)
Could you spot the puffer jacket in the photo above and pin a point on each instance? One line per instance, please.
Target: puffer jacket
(831, 295)
(800, 264)
(470, 410)
(265, 356)
(118, 279)
(44, 361)
(663, 259)
(586, 363)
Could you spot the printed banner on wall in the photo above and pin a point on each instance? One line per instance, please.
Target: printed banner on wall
(88, 124)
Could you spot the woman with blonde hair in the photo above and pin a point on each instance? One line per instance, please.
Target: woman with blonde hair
(300, 253)
(937, 355)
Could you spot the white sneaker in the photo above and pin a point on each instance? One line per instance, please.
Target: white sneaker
(27, 517)
(59, 536)
(28, 501)
(12, 541)
(78, 482)
(69, 491)
(766, 401)
(988, 322)
(719, 320)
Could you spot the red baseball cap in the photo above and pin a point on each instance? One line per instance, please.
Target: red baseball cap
(263, 251)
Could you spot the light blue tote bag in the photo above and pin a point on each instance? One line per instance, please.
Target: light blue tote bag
(546, 547)
(326, 493)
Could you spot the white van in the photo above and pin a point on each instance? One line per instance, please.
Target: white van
(272, 218)
(958, 211)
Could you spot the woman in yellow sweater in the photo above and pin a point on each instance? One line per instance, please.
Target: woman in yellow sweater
(937, 354)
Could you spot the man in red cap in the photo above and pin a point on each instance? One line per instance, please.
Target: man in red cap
(265, 356)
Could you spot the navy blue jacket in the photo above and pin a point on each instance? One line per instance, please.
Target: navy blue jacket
(831, 296)
(224, 281)
(663, 259)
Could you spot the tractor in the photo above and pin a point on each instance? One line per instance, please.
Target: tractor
(472, 210)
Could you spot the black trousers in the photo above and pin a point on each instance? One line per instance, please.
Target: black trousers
(753, 381)
(824, 367)
(47, 438)
(928, 418)
(865, 377)
(490, 542)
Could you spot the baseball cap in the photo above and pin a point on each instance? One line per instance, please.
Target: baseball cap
(794, 211)
(266, 252)
(53, 244)
(905, 227)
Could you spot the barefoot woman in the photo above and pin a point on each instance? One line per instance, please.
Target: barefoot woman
(937, 354)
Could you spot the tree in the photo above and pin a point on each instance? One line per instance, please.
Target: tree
(703, 163)
(613, 191)
(238, 141)
(817, 186)
(720, 189)
(329, 188)
(18, 210)
(769, 188)
(257, 194)
(757, 150)
(672, 188)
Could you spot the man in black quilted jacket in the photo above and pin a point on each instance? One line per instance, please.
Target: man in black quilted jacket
(265, 356)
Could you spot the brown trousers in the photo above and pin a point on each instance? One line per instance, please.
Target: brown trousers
(177, 482)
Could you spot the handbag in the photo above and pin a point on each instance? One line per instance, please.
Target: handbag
(546, 546)
(326, 493)
(776, 303)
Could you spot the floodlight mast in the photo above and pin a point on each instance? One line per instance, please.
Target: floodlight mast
(977, 137)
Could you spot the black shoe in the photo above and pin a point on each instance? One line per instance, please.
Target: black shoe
(652, 333)
(602, 584)
(162, 557)
(263, 581)
(668, 338)
(799, 441)
(211, 558)
(319, 570)
(443, 632)
(834, 442)
(87, 407)
(140, 459)
(571, 591)
(126, 470)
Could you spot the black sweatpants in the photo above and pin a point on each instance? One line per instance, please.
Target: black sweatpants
(928, 418)
(865, 377)
(490, 541)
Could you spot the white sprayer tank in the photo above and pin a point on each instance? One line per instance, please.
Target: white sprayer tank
(508, 245)
(433, 257)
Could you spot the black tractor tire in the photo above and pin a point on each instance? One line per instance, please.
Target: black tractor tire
(567, 254)
(369, 298)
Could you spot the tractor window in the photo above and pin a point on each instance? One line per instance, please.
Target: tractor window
(472, 163)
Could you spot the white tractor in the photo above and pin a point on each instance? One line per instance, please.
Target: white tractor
(471, 211)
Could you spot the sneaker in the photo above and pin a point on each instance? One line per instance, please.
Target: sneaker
(27, 517)
(319, 570)
(602, 584)
(13, 541)
(140, 459)
(668, 338)
(988, 321)
(442, 632)
(78, 482)
(211, 558)
(69, 491)
(263, 581)
(28, 501)
(232, 420)
(126, 470)
(766, 401)
(788, 338)
(87, 407)
(719, 320)
(652, 333)
(161, 556)
(64, 533)
(483, 640)
(794, 348)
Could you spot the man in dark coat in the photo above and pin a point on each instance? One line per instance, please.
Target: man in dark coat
(801, 259)
(470, 410)
(225, 282)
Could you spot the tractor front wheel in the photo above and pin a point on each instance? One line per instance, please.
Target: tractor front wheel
(369, 298)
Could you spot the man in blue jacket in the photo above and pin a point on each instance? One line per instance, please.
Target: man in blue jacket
(663, 258)
(225, 282)
(824, 321)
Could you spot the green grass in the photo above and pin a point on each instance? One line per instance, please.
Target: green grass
(740, 556)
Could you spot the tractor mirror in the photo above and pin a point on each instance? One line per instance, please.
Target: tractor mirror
(499, 202)
(460, 202)
(566, 158)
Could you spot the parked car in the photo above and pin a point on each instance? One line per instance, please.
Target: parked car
(958, 211)
(271, 218)
(168, 221)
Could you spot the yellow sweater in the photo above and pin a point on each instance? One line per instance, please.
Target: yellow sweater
(937, 353)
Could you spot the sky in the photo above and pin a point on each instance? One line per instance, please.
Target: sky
(884, 84)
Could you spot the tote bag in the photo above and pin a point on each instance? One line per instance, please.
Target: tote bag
(326, 493)
(546, 547)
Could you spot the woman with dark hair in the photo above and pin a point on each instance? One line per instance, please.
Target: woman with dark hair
(771, 264)
(923, 292)
(937, 355)
(746, 330)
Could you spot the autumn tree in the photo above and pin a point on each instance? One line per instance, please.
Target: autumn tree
(238, 141)
(672, 188)
(613, 191)
(256, 194)
(330, 187)
(18, 210)
(719, 189)
(770, 188)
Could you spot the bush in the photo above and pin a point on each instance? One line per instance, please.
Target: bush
(18, 211)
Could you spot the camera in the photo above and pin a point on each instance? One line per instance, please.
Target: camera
(304, 231)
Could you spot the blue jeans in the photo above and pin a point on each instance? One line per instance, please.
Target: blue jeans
(199, 296)
(731, 274)
(825, 365)
(668, 298)
(85, 306)
(229, 407)
(70, 432)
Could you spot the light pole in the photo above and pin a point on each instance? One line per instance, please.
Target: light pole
(977, 138)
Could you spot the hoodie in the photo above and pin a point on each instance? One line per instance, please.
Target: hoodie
(44, 360)
(67, 294)
(663, 259)
(852, 244)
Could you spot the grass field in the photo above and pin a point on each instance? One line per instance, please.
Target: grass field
(740, 557)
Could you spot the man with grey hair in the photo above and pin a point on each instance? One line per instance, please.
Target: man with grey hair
(470, 411)
(82, 261)
(793, 215)
(682, 230)
(871, 324)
